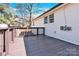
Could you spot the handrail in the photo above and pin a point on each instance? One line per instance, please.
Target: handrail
(3, 30)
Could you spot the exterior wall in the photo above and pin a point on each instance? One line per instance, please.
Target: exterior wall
(71, 12)
(72, 19)
(38, 23)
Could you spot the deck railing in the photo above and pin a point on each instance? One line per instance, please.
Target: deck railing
(33, 30)
(8, 35)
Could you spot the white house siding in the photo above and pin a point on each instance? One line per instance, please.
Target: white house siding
(38, 23)
(72, 19)
(72, 14)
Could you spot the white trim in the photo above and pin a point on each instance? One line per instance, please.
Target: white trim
(50, 11)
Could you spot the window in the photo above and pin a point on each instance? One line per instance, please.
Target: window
(51, 18)
(45, 20)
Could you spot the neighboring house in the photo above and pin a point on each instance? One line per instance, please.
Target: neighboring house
(61, 21)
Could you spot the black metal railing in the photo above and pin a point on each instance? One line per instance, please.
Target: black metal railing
(30, 30)
(3, 40)
(9, 34)
(5, 37)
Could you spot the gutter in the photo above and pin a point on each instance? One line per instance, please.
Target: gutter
(49, 10)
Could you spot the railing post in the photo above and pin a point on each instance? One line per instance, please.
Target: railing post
(4, 42)
(12, 36)
(7, 41)
(1, 42)
(43, 31)
(3, 39)
(37, 32)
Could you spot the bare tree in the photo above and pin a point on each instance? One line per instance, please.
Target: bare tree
(30, 10)
(27, 10)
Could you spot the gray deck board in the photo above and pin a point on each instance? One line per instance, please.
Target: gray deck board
(48, 46)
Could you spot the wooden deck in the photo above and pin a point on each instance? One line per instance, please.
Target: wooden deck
(47, 46)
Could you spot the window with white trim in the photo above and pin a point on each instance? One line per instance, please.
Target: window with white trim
(51, 18)
(45, 20)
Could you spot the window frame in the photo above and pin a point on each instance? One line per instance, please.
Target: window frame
(51, 18)
(46, 20)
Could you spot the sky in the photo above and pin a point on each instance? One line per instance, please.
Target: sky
(42, 6)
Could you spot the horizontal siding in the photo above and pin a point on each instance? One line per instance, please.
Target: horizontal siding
(72, 19)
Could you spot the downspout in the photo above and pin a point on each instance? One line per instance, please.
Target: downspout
(65, 18)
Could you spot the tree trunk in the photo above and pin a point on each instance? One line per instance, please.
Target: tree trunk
(30, 19)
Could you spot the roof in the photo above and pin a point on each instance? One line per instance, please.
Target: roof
(50, 9)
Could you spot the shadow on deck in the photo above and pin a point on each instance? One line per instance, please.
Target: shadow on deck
(47, 46)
